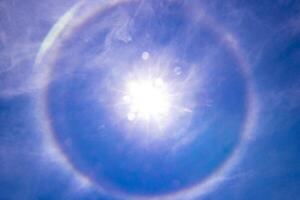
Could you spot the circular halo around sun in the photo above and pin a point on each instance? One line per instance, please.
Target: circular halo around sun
(146, 100)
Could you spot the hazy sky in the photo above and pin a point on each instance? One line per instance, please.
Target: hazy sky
(158, 99)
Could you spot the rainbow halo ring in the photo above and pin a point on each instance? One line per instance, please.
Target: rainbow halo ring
(137, 95)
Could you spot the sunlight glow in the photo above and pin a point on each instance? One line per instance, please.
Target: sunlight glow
(147, 99)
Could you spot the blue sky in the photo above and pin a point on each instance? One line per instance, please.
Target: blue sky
(230, 71)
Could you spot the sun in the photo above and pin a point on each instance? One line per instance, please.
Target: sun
(147, 99)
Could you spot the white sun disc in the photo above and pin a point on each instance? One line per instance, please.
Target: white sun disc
(147, 99)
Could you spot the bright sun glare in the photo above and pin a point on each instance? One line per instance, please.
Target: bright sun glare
(147, 99)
